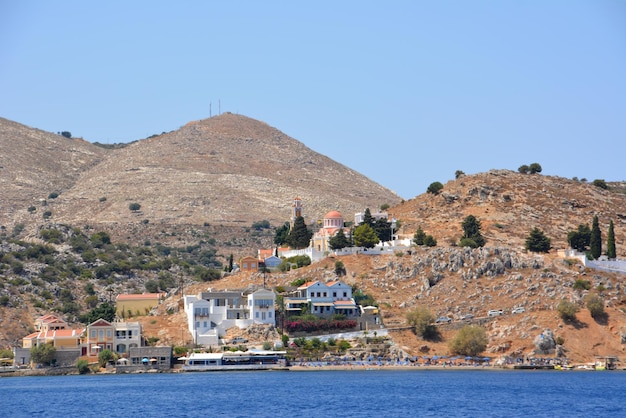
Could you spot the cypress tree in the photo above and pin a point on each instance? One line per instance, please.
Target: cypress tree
(610, 242)
(367, 218)
(338, 241)
(300, 236)
(595, 243)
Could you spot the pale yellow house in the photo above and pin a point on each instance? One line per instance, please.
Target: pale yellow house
(127, 306)
(61, 339)
(54, 331)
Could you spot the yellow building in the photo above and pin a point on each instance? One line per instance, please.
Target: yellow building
(61, 339)
(333, 222)
(127, 306)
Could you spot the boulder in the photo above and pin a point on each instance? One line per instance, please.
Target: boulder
(544, 342)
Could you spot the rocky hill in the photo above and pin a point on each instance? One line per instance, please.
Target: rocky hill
(227, 170)
(201, 187)
(453, 282)
(509, 204)
(34, 163)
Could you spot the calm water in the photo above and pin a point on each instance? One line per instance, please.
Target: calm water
(319, 393)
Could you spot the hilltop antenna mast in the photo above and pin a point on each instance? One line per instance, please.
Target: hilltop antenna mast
(210, 112)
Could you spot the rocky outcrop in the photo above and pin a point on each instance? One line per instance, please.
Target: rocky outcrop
(545, 343)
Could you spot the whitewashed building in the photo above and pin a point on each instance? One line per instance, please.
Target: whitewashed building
(210, 314)
(323, 299)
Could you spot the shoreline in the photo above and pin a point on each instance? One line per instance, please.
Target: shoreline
(314, 368)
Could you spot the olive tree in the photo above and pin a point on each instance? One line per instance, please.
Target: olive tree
(471, 340)
(567, 310)
(422, 322)
(43, 354)
(595, 304)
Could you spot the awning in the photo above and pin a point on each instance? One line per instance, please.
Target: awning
(323, 304)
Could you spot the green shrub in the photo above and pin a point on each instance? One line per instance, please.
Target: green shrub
(82, 366)
(581, 284)
(53, 195)
(430, 241)
(134, 207)
(600, 183)
(422, 322)
(567, 310)
(104, 357)
(434, 187)
(595, 304)
(471, 340)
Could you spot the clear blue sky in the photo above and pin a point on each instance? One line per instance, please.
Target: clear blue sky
(404, 92)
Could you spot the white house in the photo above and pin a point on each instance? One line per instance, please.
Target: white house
(127, 335)
(324, 299)
(210, 314)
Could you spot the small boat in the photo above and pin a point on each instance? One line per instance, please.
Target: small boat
(238, 360)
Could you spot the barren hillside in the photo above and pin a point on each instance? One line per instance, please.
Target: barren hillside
(510, 204)
(34, 163)
(454, 282)
(227, 170)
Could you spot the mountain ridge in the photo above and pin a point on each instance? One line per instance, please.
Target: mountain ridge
(228, 169)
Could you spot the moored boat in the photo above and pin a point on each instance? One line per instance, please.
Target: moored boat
(238, 360)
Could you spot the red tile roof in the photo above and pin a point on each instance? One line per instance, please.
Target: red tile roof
(141, 296)
(308, 284)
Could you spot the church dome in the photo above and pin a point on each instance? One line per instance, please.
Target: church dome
(333, 214)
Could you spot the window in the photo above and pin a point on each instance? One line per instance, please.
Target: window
(345, 294)
(93, 333)
(269, 314)
(325, 294)
(108, 333)
(257, 315)
(334, 294)
(197, 324)
(319, 294)
(100, 334)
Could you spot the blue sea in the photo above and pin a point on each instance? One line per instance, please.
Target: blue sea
(362, 393)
